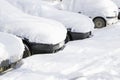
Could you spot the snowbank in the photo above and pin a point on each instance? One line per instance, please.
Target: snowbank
(77, 22)
(11, 47)
(35, 29)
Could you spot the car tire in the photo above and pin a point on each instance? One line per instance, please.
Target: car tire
(67, 38)
(99, 22)
(27, 51)
(119, 15)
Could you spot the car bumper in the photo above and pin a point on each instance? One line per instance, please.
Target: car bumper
(6, 65)
(79, 36)
(38, 48)
(111, 20)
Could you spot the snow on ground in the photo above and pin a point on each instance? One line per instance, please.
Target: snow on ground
(24, 74)
(95, 58)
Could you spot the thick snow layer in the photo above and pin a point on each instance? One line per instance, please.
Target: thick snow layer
(11, 47)
(77, 22)
(35, 29)
(91, 8)
(96, 58)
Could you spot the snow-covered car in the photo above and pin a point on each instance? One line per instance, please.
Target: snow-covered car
(78, 26)
(39, 34)
(117, 2)
(11, 51)
(102, 12)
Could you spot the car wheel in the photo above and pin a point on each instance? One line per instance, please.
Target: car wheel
(27, 51)
(99, 22)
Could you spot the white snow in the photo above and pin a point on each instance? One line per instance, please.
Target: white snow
(117, 2)
(77, 22)
(35, 29)
(23, 74)
(96, 58)
(11, 47)
(107, 7)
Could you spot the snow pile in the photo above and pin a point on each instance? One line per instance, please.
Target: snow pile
(77, 22)
(35, 29)
(11, 48)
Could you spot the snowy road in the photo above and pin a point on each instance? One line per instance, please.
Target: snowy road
(95, 58)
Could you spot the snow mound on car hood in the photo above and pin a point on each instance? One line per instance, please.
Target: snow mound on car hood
(11, 47)
(35, 29)
(75, 21)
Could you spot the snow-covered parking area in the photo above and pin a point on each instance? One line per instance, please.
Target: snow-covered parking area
(95, 58)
